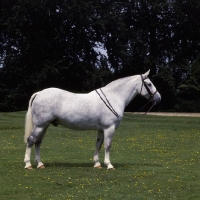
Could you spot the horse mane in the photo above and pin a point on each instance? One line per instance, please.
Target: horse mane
(119, 82)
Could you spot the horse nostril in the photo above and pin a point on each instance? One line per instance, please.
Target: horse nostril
(159, 100)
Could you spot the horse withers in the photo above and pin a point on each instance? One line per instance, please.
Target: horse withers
(100, 110)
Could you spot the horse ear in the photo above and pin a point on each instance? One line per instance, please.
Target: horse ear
(146, 74)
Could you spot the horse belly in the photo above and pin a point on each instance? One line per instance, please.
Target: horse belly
(74, 115)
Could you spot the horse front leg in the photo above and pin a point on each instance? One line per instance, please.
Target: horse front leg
(108, 134)
(27, 158)
(99, 142)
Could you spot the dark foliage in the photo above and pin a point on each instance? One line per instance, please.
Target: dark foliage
(56, 44)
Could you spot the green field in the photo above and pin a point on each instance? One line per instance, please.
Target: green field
(155, 157)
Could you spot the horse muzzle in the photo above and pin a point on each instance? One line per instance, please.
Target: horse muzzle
(155, 98)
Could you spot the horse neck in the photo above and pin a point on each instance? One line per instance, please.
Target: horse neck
(125, 89)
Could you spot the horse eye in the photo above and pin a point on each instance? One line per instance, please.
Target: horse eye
(149, 84)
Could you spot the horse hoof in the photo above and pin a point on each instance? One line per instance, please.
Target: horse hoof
(111, 168)
(98, 167)
(29, 167)
(41, 167)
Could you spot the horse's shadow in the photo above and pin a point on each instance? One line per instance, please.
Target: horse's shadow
(67, 165)
(89, 165)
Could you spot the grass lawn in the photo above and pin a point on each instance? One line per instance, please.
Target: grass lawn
(155, 157)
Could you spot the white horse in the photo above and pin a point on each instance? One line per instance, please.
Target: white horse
(100, 110)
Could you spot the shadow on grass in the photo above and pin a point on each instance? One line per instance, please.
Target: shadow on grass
(67, 165)
(89, 165)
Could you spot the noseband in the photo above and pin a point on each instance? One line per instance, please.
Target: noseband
(147, 88)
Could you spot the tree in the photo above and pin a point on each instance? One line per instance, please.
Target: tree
(188, 93)
(53, 44)
(49, 43)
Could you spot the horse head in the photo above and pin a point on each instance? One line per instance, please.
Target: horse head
(148, 90)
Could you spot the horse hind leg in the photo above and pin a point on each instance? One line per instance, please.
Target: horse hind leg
(27, 158)
(35, 137)
(37, 151)
(99, 142)
(37, 155)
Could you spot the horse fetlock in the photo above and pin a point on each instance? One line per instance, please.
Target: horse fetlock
(28, 165)
(106, 162)
(97, 165)
(96, 158)
(26, 160)
(110, 166)
(37, 160)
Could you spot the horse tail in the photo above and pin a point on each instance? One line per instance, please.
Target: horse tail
(28, 119)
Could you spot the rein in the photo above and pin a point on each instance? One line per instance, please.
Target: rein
(107, 103)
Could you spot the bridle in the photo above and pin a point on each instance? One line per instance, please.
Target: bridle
(147, 88)
(151, 98)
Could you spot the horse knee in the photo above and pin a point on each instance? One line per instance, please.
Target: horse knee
(108, 147)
